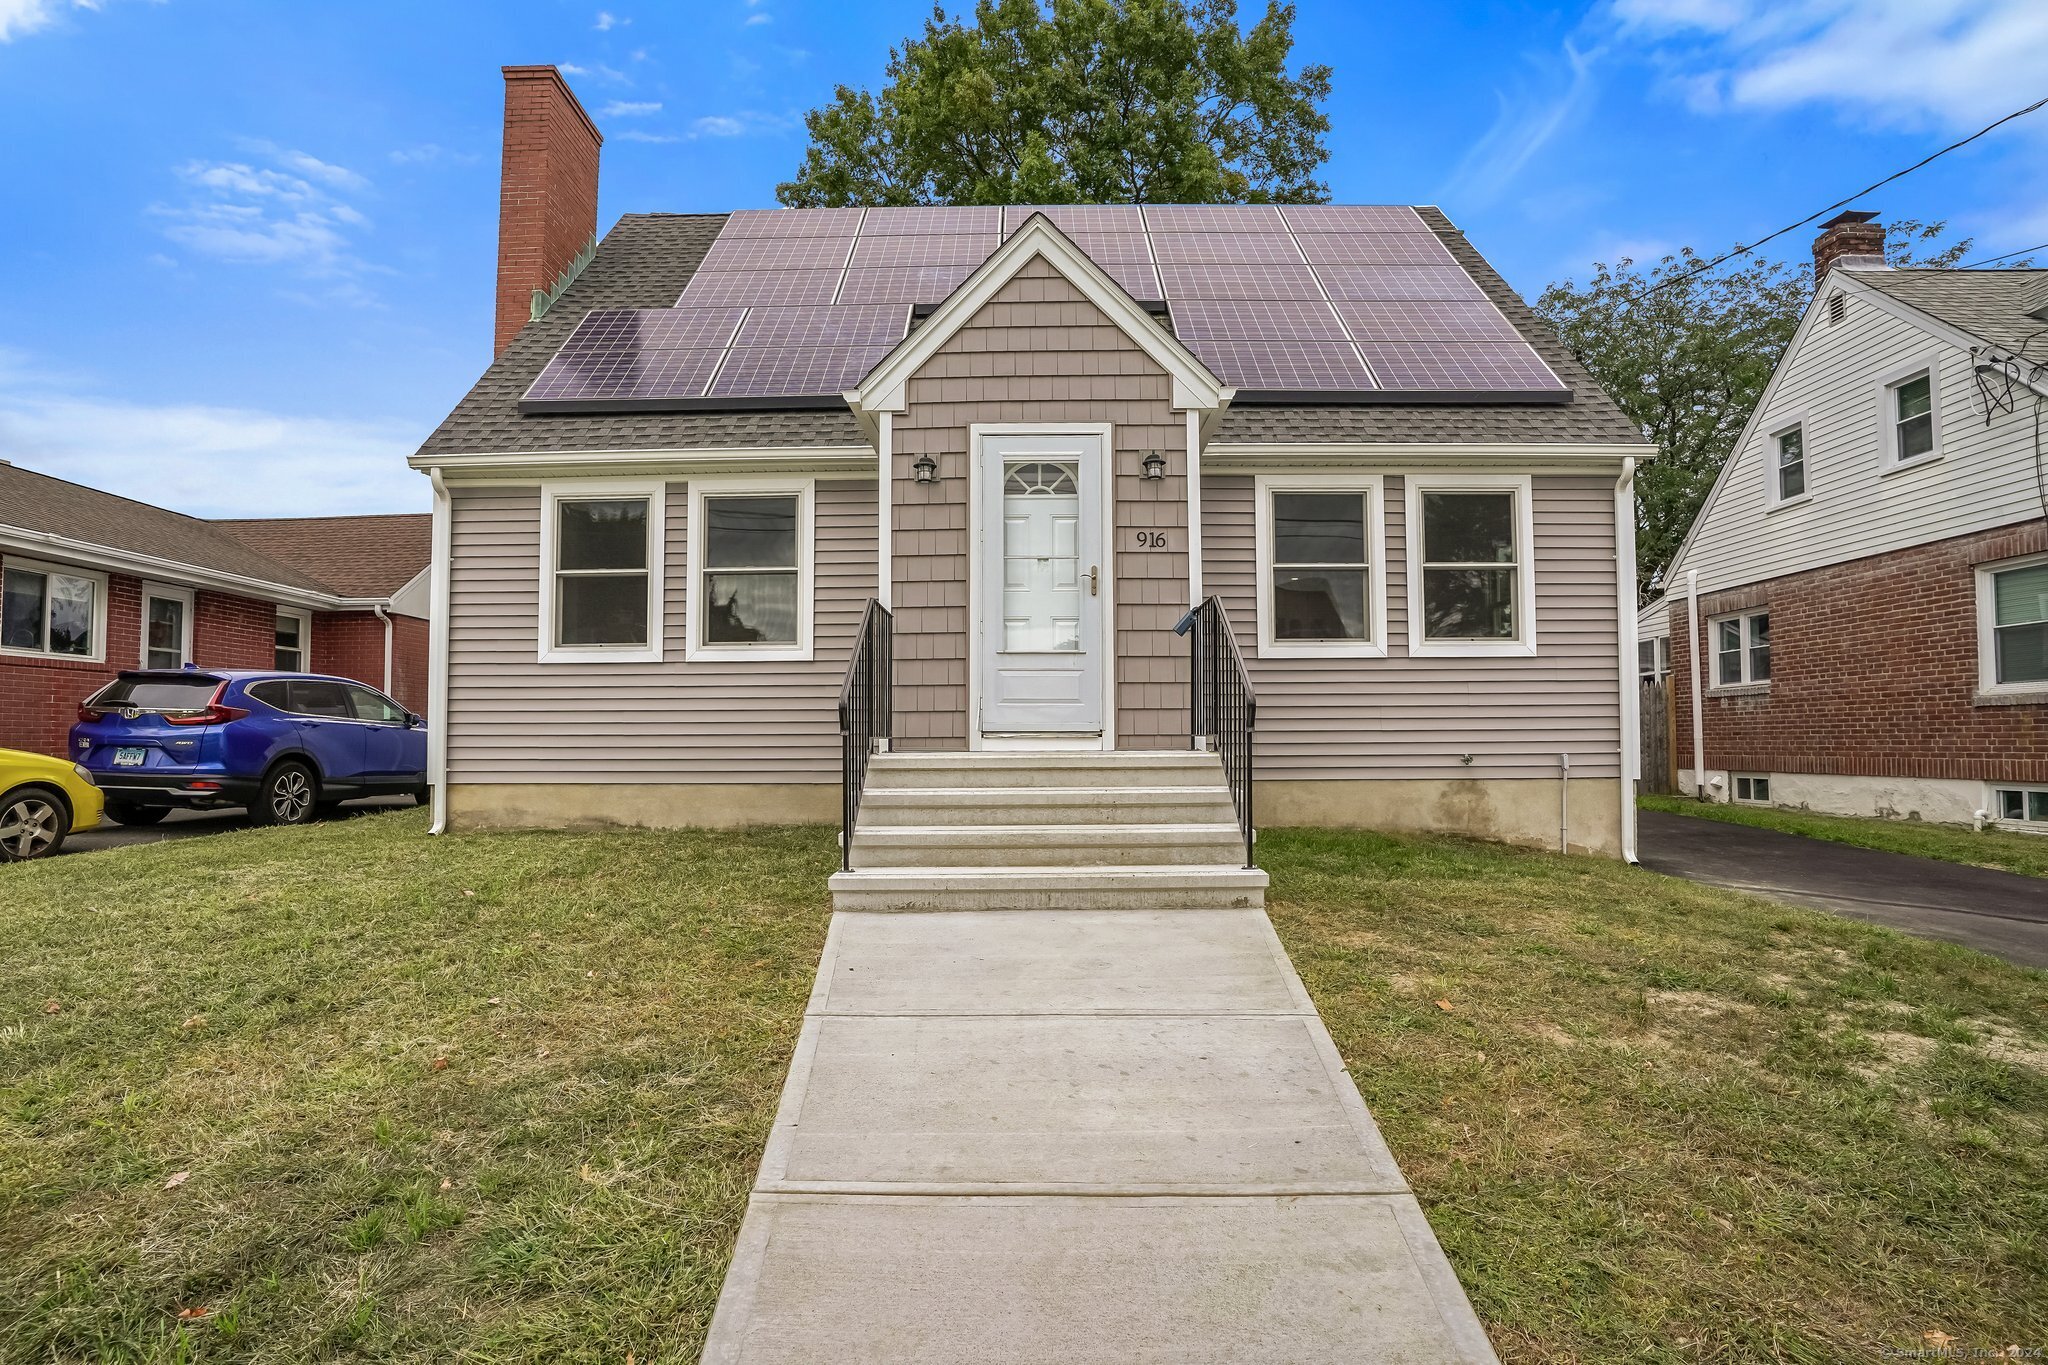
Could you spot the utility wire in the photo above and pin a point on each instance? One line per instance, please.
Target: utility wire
(1839, 203)
(2023, 251)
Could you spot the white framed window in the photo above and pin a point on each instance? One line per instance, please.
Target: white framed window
(1322, 566)
(2012, 625)
(1753, 789)
(751, 547)
(1653, 657)
(601, 570)
(1909, 414)
(2024, 806)
(293, 652)
(166, 626)
(1470, 556)
(1785, 462)
(1741, 648)
(53, 610)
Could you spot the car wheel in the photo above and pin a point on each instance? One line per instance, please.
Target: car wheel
(290, 796)
(127, 813)
(33, 823)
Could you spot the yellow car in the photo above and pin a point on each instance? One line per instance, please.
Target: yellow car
(42, 800)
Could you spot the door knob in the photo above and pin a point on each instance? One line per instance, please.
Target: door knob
(1094, 579)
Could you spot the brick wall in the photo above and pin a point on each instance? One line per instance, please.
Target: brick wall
(547, 192)
(39, 697)
(1874, 671)
(351, 645)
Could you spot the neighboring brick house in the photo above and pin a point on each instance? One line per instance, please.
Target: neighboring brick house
(95, 583)
(1871, 568)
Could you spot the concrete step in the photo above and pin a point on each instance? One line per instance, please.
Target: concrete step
(896, 806)
(1170, 768)
(1071, 846)
(1219, 887)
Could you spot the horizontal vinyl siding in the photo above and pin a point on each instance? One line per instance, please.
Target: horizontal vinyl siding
(1403, 717)
(1985, 480)
(514, 719)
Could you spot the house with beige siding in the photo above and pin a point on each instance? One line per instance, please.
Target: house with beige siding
(732, 474)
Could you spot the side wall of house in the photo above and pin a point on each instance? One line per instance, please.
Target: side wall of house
(1463, 744)
(1874, 683)
(677, 742)
(1039, 352)
(351, 645)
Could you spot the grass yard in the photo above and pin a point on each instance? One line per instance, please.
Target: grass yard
(325, 1093)
(1662, 1122)
(335, 1093)
(2005, 849)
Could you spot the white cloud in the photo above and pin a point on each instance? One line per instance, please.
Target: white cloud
(599, 71)
(207, 460)
(759, 18)
(718, 125)
(630, 108)
(248, 214)
(607, 21)
(21, 17)
(740, 123)
(1953, 63)
(1529, 119)
(642, 135)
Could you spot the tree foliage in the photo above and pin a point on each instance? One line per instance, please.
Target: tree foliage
(1078, 101)
(1687, 357)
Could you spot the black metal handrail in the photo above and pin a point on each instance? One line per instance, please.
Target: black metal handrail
(866, 711)
(1222, 706)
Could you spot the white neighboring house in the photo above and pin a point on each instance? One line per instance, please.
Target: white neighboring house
(1871, 567)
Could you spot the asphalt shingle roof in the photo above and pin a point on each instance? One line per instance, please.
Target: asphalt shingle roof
(337, 555)
(1991, 304)
(646, 259)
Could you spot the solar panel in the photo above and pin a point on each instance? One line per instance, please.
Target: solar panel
(968, 249)
(1487, 365)
(1426, 321)
(774, 371)
(795, 305)
(1285, 365)
(1255, 320)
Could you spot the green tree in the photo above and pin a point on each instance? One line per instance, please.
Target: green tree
(1078, 101)
(1687, 356)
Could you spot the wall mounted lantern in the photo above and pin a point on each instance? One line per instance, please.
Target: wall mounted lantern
(925, 469)
(1155, 465)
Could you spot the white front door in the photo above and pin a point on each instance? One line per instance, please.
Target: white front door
(1042, 579)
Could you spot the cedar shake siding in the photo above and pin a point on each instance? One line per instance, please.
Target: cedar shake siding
(513, 719)
(1038, 351)
(1403, 717)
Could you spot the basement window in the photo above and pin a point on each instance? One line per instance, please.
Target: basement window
(1753, 789)
(2024, 806)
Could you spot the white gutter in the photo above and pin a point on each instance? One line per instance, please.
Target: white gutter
(1194, 501)
(437, 654)
(379, 612)
(1699, 684)
(1625, 607)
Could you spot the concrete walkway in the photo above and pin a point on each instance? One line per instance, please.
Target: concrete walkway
(2002, 913)
(1076, 1136)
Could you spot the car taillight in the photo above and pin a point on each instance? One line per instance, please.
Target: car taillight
(214, 714)
(87, 715)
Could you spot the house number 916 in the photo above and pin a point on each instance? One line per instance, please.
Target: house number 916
(1151, 540)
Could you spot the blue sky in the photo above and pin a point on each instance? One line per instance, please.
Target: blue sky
(250, 246)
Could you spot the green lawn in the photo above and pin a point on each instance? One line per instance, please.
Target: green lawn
(338, 1092)
(2000, 848)
(1662, 1122)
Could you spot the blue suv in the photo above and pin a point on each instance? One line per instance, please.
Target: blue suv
(286, 745)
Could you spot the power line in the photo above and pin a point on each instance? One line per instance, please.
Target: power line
(1839, 203)
(2023, 251)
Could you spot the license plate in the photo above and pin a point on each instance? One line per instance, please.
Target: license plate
(129, 757)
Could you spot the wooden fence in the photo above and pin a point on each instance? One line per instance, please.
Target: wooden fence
(1660, 750)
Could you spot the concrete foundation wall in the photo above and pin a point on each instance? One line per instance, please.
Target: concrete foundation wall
(1945, 800)
(667, 805)
(1512, 811)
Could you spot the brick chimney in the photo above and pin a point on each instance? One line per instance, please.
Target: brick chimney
(1854, 239)
(547, 196)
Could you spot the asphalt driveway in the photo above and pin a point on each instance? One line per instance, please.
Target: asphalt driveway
(188, 824)
(2001, 913)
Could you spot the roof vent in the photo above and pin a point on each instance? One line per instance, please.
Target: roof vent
(1838, 308)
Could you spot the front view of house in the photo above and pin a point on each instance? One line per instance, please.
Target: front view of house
(1036, 438)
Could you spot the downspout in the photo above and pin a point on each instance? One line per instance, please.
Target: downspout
(437, 653)
(885, 512)
(1699, 683)
(378, 611)
(1564, 803)
(1194, 504)
(1625, 608)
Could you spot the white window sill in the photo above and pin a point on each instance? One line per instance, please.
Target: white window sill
(1782, 503)
(2018, 826)
(1901, 466)
(1321, 649)
(54, 657)
(749, 654)
(2028, 694)
(1755, 689)
(622, 655)
(1471, 649)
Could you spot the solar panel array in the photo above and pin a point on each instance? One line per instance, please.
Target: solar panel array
(794, 306)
